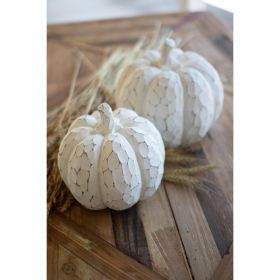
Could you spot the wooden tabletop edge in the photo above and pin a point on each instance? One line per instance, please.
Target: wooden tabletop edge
(101, 21)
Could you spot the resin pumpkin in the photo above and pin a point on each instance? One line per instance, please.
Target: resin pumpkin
(111, 159)
(180, 92)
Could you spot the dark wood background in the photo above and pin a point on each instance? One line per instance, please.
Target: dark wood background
(179, 233)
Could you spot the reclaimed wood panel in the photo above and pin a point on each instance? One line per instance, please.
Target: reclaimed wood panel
(179, 233)
(100, 223)
(199, 243)
(165, 245)
(52, 260)
(72, 267)
(129, 235)
(224, 270)
(95, 251)
(217, 211)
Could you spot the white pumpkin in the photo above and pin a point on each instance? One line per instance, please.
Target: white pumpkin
(180, 92)
(111, 159)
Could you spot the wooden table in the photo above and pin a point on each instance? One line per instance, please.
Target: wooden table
(179, 233)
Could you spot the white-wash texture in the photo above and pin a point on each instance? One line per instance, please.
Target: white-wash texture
(179, 92)
(111, 159)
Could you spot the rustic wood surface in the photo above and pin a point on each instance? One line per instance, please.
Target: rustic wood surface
(179, 233)
(224, 270)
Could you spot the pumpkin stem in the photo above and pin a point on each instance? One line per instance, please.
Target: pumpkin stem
(107, 120)
(167, 46)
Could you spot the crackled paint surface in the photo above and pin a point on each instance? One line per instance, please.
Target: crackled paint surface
(111, 159)
(180, 92)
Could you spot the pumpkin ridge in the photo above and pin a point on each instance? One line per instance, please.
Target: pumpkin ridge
(161, 93)
(193, 91)
(63, 154)
(207, 70)
(119, 181)
(144, 160)
(93, 170)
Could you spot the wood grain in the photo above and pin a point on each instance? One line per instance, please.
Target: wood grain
(97, 222)
(129, 235)
(179, 233)
(52, 260)
(98, 253)
(165, 246)
(224, 270)
(199, 244)
(72, 267)
(212, 200)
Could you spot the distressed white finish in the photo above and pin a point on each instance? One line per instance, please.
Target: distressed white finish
(111, 159)
(180, 92)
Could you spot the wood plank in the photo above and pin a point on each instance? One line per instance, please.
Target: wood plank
(72, 267)
(118, 32)
(95, 251)
(217, 209)
(141, 24)
(61, 62)
(225, 269)
(97, 222)
(52, 260)
(218, 212)
(201, 249)
(165, 246)
(130, 236)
